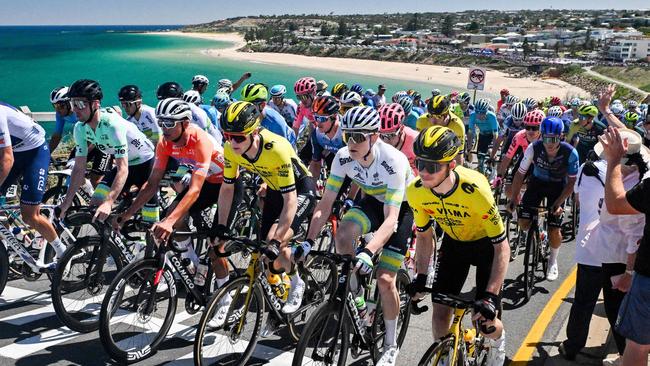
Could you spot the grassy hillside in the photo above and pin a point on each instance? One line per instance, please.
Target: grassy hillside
(634, 75)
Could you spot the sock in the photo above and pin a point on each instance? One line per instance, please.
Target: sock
(221, 281)
(391, 331)
(499, 342)
(552, 259)
(295, 279)
(59, 248)
(189, 253)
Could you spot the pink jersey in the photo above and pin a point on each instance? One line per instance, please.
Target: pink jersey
(407, 148)
(519, 144)
(302, 113)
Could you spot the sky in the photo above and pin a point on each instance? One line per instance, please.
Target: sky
(113, 12)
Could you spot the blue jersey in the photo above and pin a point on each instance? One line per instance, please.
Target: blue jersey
(488, 125)
(510, 127)
(212, 112)
(565, 163)
(418, 110)
(274, 122)
(320, 143)
(61, 121)
(411, 119)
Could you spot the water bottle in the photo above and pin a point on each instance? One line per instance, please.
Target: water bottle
(21, 237)
(201, 273)
(278, 283)
(189, 266)
(362, 307)
(468, 336)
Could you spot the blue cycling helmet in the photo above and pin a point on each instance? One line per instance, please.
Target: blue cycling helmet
(552, 126)
(357, 88)
(221, 99)
(278, 90)
(481, 106)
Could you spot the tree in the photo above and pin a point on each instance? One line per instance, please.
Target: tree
(473, 27)
(357, 32)
(556, 47)
(292, 26)
(412, 24)
(447, 25)
(343, 30)
(325, 31)
(526, 47)
(588, 42)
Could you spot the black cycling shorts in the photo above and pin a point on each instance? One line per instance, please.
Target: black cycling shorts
(138, 175)
(273, 204)
(209, 196)
(484, 140)
(536, 191)
(101, 163)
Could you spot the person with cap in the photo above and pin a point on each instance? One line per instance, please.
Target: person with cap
(380, 97)
(606, 247)
(321, 88)
(633, 321)
(200, 83)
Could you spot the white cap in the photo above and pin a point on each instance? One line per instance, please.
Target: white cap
(634, 145)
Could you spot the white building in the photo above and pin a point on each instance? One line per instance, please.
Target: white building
(629, 49)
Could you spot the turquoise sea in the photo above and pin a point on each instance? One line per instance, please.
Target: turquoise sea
(34, 60)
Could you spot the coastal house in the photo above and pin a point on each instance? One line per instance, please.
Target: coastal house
(625, 49)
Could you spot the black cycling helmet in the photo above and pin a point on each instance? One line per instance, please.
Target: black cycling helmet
(170, 89)
(437, 143)
(240, 118)
(86, 88)
(129, 93)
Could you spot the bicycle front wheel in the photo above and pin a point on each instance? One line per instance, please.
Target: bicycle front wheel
(4, 267)
(80, 283)
(531, 258)
(321, 343)
(229, 338)
(441, 353)
(137, 312)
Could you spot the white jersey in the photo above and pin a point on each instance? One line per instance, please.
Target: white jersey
(385, 179)
(288, 111)
(147, 123)
(201, 119)
(19, 131)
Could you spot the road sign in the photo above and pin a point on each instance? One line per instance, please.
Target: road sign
(476, 79)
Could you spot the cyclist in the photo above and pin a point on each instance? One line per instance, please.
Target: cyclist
(194, 97)
(221, 100)
(200, 84)
(572, 113)
(488, 128)
(557, 102)
(418, 105)
(107, 131)
(519, 144)
(141, 115)
(101, 163)
(584, 131)
(349, 100)
(287, 107)
(531, 104)
(511, 125)
(439, 114)
(272, 120)
(305, 89)
(461, 202)
(503, 94)
(556, 111)
(226, 83)
(327, 137)
(24, 153)
(290, 192)
(555, 166)
(382, 172)
(321, 88)
(338, 89)
(395, 133)
(466, 106)
(196, 150)
(411, 115)
(506, 108)
(631, 119)
(200, 118)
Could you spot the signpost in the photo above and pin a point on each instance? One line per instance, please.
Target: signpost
(476, 79)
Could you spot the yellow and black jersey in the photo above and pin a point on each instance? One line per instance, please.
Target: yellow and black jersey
(467, 213)
(276, 163)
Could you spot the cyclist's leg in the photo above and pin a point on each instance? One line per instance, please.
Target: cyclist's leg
(101, 165)
(531, 199)
(483, 256)
(451, 271)
(151, 210)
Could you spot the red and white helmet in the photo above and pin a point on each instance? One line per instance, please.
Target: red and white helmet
(534, 118)
(305, 85)
(391, 116)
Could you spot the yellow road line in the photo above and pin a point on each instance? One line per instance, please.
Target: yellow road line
(525, 352)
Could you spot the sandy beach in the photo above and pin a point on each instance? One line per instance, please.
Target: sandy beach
(454, 77)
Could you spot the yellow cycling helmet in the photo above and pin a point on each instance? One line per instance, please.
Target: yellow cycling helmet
(588, 110)
(338, 89)
(438, 144)
(438, 105)
(255, 93)
(240, 118)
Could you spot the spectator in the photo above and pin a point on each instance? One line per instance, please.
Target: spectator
(633, 319)
(380, 97)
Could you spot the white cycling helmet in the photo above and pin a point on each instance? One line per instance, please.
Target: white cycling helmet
(519, 111)
(192, 96)
(59, 94)
(174, 109)
(224, 83)
(554, 111)
(200, 79)
(362, 119)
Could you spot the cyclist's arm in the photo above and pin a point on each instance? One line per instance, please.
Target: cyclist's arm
(424, 250)
(566, 192)
(189, 198)
(499, 266)
(321, 213)
(497, 144)
(526, 163)
(77, 178)
(58, 131)
(503, 166)
(615, 196)
(391, 214)
(224, 203)
(122, 165)
(54, 141)
(243, 78)
(289, 209)
(6, 162)
(314, 168)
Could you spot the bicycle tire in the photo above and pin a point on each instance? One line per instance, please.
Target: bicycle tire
(530, 261)
(316, 325)
(78, 320)
(139, 273)
(325, 239)
(57, 193)
(4, 267)
(256, 303)
(403, 318)
(437, 351)
(320, 285)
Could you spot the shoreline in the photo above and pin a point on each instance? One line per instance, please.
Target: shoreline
(454, 77)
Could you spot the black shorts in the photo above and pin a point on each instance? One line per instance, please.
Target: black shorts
(273, 204)
(101, 163)
(454, 260)
(138, 175)
(536, 191)
(484, 140)
(209, 196)
(369, 215)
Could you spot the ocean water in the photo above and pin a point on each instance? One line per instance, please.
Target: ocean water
(34, 60)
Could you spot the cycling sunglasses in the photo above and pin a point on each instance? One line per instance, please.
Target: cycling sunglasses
(532, 128)
(389, 136)
(355, 137)
(321, 119)
(79, 104)
(130, 103)
(304, 97)
(551, 139)
(430, 167)
(233, 137)
(167, 123)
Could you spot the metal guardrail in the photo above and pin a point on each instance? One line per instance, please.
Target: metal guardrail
(47, 116)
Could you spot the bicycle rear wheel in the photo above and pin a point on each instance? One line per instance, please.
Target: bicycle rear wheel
(531, 260)
(232, 342)
(80, 283)
(320, 343)
(134, 319)
(378, 329)
(440, 353)
(4, 267)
